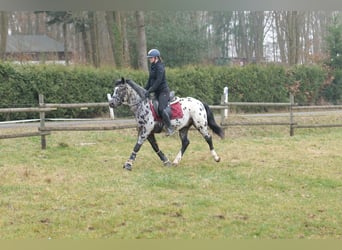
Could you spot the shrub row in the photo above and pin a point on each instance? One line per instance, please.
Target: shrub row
(20, 85)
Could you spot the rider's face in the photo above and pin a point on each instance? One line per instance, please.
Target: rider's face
(153, 59)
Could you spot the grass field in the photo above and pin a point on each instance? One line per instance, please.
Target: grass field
(268, 185)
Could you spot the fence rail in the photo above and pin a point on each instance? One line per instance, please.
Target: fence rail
(87, 128)
(76, 105)
(44, 130)
(24, 135)
(25, 110)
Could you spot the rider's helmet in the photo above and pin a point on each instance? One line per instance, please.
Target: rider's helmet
(153, 53)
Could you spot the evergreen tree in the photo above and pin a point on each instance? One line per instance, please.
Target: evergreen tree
(333, 92)
(334, 41)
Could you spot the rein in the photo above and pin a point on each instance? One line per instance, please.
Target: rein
(132, 105)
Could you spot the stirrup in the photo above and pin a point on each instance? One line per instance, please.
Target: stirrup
(170, 131)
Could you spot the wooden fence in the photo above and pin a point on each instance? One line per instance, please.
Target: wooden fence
(44, 130)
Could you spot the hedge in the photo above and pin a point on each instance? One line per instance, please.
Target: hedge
(20, 85)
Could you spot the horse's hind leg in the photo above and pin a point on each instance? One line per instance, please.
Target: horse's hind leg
(151, 138)
(183, 134)
(209, 140)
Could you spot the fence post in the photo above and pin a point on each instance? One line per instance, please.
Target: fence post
(42, 121)
(225, 92)
(111, 110)
(224, 101)
(291, 115)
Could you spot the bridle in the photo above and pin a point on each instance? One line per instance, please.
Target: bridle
(118, 100)
(121, 101)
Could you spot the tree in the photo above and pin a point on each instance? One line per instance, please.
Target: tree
(126, 57)
(179, 41)
(64, 18)
(109, 15)
(114, 27)
(81, 22)
(289, 25)
(293, 36)
(94, 38)
(220, 28)
(334, 41)
(141, 37)
(3, 33)
(257, 35)
(183, 37)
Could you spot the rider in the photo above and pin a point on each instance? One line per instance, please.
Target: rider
(157, 84)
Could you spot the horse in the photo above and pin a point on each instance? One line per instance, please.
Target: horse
(195, 113)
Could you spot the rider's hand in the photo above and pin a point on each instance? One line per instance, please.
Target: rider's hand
(147, 94)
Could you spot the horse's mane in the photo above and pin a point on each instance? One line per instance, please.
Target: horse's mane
(140, 90)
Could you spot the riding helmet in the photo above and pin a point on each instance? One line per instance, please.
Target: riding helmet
(153, 53)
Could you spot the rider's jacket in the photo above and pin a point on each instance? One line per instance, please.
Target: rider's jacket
(157, 80)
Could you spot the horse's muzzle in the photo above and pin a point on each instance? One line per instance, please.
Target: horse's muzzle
(111, 103)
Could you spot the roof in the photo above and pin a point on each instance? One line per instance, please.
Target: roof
(32, 43)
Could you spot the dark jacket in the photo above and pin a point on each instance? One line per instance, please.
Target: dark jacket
(157, 81)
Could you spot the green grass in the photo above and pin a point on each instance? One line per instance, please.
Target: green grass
(268, 185)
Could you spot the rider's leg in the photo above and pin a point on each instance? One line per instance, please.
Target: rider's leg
(163, 99)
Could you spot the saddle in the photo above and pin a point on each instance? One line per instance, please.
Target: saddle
(173, 108)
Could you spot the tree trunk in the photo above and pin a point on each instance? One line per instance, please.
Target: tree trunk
(243, 37)
(3, 33)
(141, 45)
(280, 27)
(65, 39)
(118, 55)
(86, 45)
(293, 37)
(257, 34)
(126, 57)
(94, 39)
(109, 15)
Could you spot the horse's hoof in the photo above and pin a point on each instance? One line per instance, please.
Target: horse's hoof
(217, 159)
(128, 166)
(167, 164)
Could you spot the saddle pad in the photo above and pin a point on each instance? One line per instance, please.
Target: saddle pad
(176, 111)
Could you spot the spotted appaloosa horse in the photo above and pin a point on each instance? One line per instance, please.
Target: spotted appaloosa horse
(195, 113)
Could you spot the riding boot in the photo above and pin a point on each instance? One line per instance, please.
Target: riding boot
(167, 122)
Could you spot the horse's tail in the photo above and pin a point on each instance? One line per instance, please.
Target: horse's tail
(212, 123)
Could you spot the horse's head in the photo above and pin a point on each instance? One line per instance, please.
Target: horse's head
(120, 93)
(127, 92)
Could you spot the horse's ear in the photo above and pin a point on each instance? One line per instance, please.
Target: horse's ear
(120, 81)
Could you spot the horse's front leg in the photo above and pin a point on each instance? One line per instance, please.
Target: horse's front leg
(142, 136)
(152, 139)
(129, 163)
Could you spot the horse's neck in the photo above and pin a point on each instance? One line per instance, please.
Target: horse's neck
(134, 100)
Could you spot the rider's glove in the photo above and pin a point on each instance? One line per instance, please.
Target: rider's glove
(147, 94)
